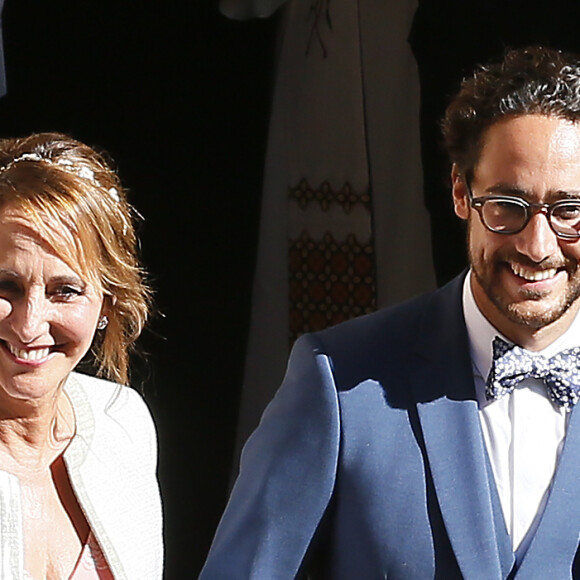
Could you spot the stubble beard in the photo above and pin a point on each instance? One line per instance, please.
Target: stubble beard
(522, 315)
(521, 312)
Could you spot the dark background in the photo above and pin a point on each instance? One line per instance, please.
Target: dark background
(179, 96)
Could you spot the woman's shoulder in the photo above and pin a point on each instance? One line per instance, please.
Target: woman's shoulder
(107, 405)
(104, 395)
(111, 420)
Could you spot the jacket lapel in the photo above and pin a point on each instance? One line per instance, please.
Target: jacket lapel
(555, 542)
(442, 380)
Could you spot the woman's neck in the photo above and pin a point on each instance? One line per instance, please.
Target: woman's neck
(33, 435)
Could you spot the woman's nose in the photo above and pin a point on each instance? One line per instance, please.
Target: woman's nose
(29, 318)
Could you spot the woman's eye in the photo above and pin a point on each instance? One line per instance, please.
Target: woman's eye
(9, 287)
(66, 292)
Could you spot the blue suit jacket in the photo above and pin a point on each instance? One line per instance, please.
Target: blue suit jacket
(370, 463)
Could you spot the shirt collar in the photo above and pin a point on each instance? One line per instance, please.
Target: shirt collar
(481, 334)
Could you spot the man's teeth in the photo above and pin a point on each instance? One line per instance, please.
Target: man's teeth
(28, 353)
(533, 275)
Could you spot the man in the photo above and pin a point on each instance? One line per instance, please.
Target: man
(396, 447)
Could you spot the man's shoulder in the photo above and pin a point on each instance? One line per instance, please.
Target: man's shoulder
(397, 324)
(382, 344)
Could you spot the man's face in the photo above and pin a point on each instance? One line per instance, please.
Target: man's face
(529, 281)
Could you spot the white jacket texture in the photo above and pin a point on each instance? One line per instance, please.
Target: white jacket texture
(111, 463)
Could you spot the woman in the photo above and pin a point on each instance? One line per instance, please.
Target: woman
(78, 491)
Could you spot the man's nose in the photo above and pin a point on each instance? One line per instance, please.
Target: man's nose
(537, 240)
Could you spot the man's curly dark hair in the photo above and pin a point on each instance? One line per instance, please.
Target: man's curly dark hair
(533, 80)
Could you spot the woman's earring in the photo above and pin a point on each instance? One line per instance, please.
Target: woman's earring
(103, 321)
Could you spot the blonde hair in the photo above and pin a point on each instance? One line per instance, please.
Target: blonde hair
(75, 200)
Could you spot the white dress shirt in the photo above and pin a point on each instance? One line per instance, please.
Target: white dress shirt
(523, 431)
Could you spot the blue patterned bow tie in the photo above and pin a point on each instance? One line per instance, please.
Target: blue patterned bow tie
(512, 364)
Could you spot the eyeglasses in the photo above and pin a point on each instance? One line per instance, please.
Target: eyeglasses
(504, 214)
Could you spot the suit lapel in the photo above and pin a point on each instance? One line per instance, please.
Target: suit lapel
(442, 380)
(555, 542)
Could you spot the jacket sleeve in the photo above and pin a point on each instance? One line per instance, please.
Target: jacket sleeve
(286, 479)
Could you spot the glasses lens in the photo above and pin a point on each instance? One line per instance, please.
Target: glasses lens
(565, 218)
(504, 215)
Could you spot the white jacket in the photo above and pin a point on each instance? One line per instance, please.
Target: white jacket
(111, 463)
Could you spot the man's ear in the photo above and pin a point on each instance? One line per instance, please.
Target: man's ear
(459, 192)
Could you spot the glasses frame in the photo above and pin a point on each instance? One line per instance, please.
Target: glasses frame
(531, 210)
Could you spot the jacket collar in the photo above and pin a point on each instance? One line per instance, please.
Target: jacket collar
(445, 395)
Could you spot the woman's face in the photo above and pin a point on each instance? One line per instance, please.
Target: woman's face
(48, 313)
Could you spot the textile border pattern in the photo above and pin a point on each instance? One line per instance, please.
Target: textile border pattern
(346, 197)
(332, 277)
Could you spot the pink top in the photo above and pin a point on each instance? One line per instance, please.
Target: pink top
(91, 564)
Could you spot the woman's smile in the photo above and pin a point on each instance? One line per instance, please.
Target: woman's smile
(36, 355)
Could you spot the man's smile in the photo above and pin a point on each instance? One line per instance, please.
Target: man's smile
(533, 275)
